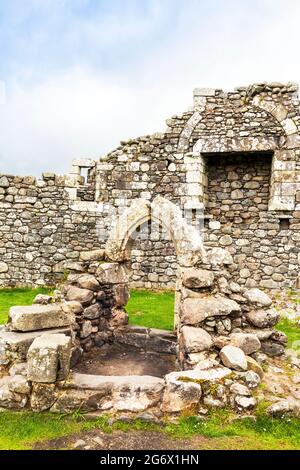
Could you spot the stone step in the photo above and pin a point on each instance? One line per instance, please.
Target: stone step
(39, 317)
(14, 345)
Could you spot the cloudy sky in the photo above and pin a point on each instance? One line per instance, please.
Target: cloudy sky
(80, 75)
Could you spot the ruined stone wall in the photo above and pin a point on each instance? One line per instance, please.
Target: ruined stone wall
(40, 235)
(51, 222)
(263, 243)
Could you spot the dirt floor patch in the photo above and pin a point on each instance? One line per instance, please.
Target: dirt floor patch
(125, 360)
(120, 440)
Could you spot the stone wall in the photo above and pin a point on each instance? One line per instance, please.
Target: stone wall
(224, 334)
(45, 225)
(262, 242)
(39, 231)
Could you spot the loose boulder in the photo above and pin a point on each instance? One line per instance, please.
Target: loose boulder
(38, 317)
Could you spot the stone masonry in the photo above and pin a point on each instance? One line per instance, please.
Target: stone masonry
(223, 332)
(232, 162)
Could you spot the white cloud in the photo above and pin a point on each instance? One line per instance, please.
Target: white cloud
(84, 111)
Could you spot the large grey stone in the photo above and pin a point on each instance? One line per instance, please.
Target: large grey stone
(196, 310)
(121, 294)
(112, 273)
(14, 345)
(200, 375)
(195, 339)
(94, 255)
(38, 317)
(3, 267)
(118, 393)
(49, 358)
(234, 358)
(87, 281)
(179, 395)
(92, 312)
(194, 278)
(219, 256)
(263, 318)
(257, 297)
(84, 296)
(249, 343)
(284, 407)
(10, 399)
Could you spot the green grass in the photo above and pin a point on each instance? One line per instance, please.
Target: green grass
(151, 309)
(292, 330)
(220, 430)
(11, 297)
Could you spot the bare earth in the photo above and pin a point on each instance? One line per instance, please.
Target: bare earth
(125, 360)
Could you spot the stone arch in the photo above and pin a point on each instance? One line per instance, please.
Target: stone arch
(186, 239)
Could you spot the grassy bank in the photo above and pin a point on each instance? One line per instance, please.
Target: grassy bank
(11, 297)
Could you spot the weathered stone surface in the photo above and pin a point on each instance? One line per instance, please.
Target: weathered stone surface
(42, 299)
(49, 358)
(92, 312)
(38, 317)
(195, 339)
(3, 267)
(119, 319)
(197, 310)
(252, 378)
(87, 281)
(284, 407)
(10, 399)
(112, 273)
(203, 375)
(84, 296)
(245, 403)
(86, 329)
(19, 384)
(263, 318)
(219, 256)
(179, 395)
(233, 357)
(119, 393)
(253, 365)
(20, 368)
(14, 345)
(121, 294)
(93, 255)
(43, 396)
(249, 343)
(257, 297)
(239, 389)
(271, 348)
(197, 278)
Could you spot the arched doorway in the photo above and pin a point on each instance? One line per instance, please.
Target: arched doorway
(186, 239)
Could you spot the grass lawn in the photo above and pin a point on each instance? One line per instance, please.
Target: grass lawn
(151, 309)
(11, 297)
(21, 430)
(292, 330)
